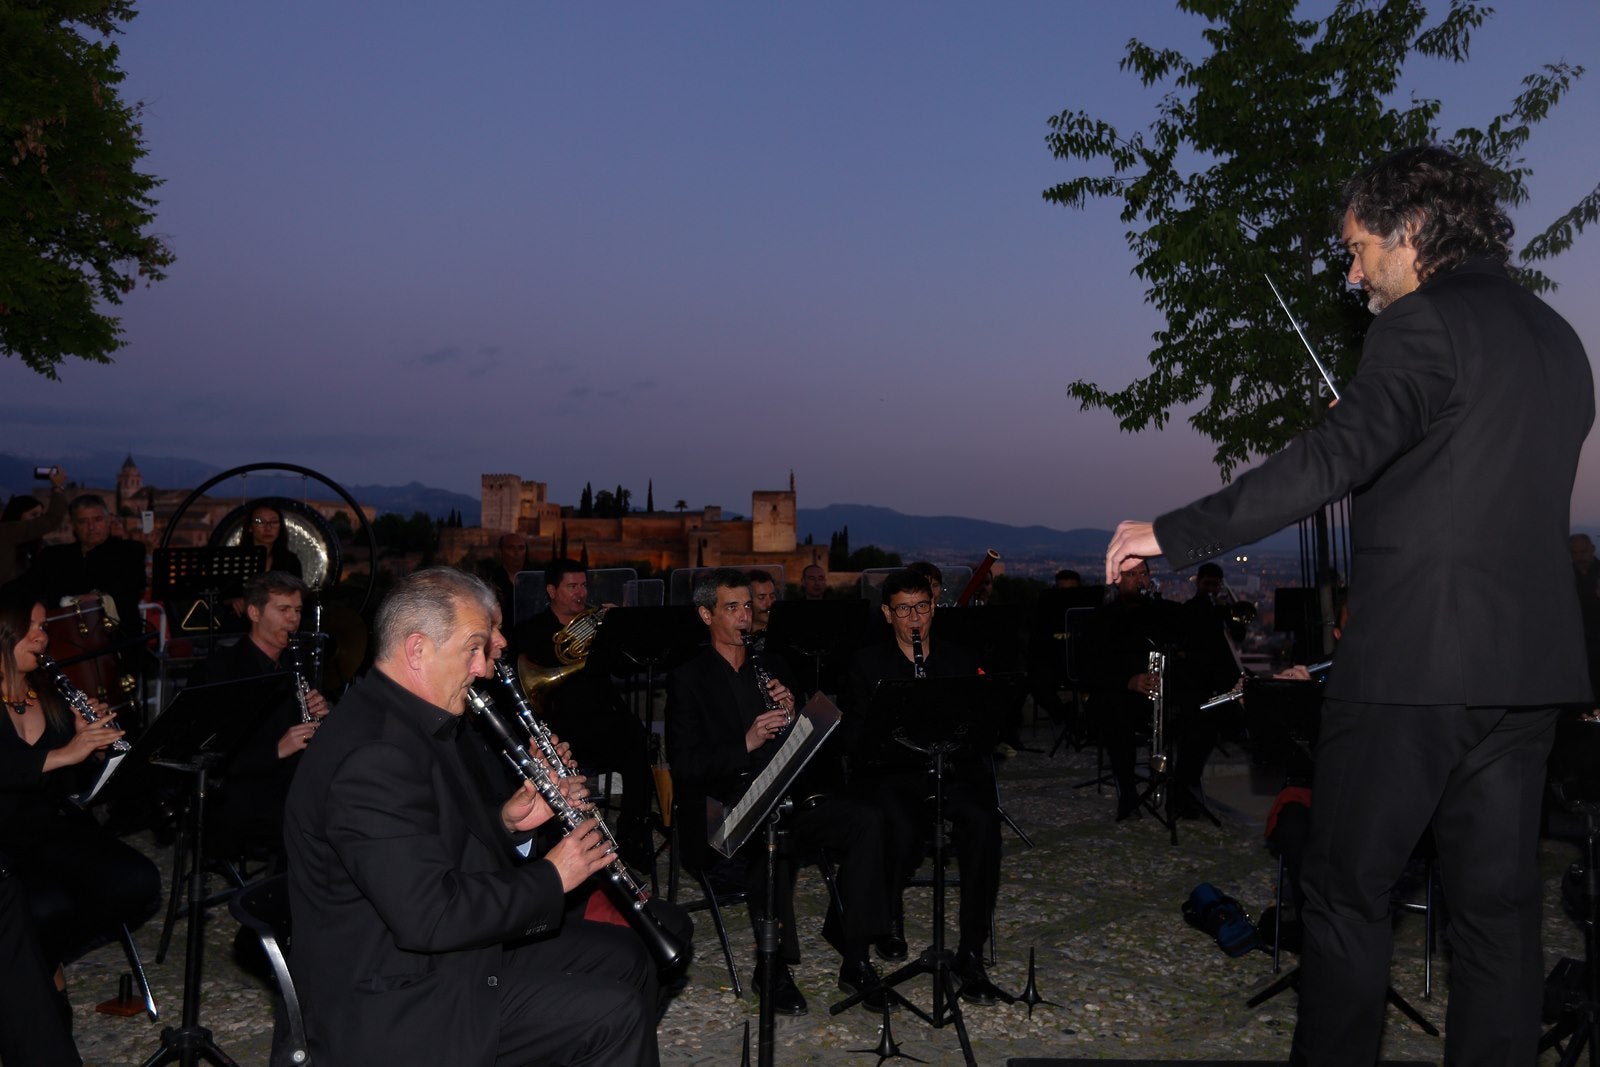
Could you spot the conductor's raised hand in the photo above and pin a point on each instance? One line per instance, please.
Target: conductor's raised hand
(1132, 542)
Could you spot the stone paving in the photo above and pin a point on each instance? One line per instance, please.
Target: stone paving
(1096, 901)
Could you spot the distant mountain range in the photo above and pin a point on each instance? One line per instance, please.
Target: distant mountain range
(947, 537)
(100, 467)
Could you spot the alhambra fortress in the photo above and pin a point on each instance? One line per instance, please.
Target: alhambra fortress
(511, 504)
(665, 540)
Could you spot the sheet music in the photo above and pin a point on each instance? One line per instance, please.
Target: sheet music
(83, 800)
(728, 828)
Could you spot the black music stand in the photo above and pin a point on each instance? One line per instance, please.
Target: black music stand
(1575, 782)
(196, 733)
(204, 575)
(765, 803)
(934, 717)
(653, 640)
(821, 632)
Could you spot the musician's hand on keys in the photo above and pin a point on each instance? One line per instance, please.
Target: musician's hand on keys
(295, 739)
(575, 788)
(768, 724)
(316, 703)
(579, 854)
(1143, 684)
(564, 749)
(1297, 673)
(524, 810)
(87, 739)
(784, 698)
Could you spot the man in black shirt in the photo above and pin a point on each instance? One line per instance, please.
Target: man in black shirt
(249, 807)
(586, 711)
(899, 783)
(720, 736)
(95, 563)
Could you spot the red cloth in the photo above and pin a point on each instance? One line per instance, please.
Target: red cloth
(599, 909)
(1289, 794)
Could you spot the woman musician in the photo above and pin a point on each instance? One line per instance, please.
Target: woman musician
(82, 883)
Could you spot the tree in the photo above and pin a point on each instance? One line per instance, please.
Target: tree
(586, 502)
(74, 210)
(650, 496)
(682, 506)
(1238, 176)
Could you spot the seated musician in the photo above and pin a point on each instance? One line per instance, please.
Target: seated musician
(1118, 641)
(248, 806)
(720, 735)
(1211, 666)
(419, 936)
(267, 530)
(82, 883)
(96, 562)
(586, 710)
(898, 781)
(764, 593)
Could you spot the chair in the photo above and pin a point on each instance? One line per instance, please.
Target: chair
(263, 907)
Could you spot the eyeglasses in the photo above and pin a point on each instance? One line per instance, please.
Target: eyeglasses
(905, 611)
(265, 522)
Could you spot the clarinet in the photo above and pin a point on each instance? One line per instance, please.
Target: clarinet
(76, 697)
(631, 898)
(763, 678)
(919, 666)
(1157, 665)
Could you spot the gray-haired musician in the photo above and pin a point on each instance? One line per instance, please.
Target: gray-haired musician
(720, 734)
(419, 937)
(1459, 436)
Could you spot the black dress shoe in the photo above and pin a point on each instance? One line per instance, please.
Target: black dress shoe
(892, 945)
(1128, 809)
(862, 977)
(975, 985)
(786, 996)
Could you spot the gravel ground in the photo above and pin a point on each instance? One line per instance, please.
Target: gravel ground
(1097, 903)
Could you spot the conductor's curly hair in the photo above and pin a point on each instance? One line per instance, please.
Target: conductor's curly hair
(1449, 203)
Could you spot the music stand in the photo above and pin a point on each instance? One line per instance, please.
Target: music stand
(653, 640)
(765, 801)
(819, 631)
(934, 717)
(204, 575)
(196, 733)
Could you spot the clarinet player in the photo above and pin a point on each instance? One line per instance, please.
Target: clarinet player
(419, 938)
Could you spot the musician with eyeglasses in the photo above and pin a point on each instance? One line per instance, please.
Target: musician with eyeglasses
(587, 711)
(720, 735)
(898, 781)
(421, 936)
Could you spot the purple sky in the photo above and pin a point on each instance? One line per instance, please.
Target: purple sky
(697, 243)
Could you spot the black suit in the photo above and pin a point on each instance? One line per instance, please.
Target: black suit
(407, 897)
(1460, 437)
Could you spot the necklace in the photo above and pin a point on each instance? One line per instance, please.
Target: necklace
(21, 706)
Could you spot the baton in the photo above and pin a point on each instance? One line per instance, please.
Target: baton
(1334, 389)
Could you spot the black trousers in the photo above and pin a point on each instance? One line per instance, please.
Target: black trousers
(32, 1030)
(974, 820)
(1383, 772)
(587, 996)
(852, 831)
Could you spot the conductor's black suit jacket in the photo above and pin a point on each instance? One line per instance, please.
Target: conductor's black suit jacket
(1460, 436)
(402, 888)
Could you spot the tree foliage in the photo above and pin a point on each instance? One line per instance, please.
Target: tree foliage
(1239, 176)
(75, 212)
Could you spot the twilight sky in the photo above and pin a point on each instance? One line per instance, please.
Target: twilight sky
(700, 243)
